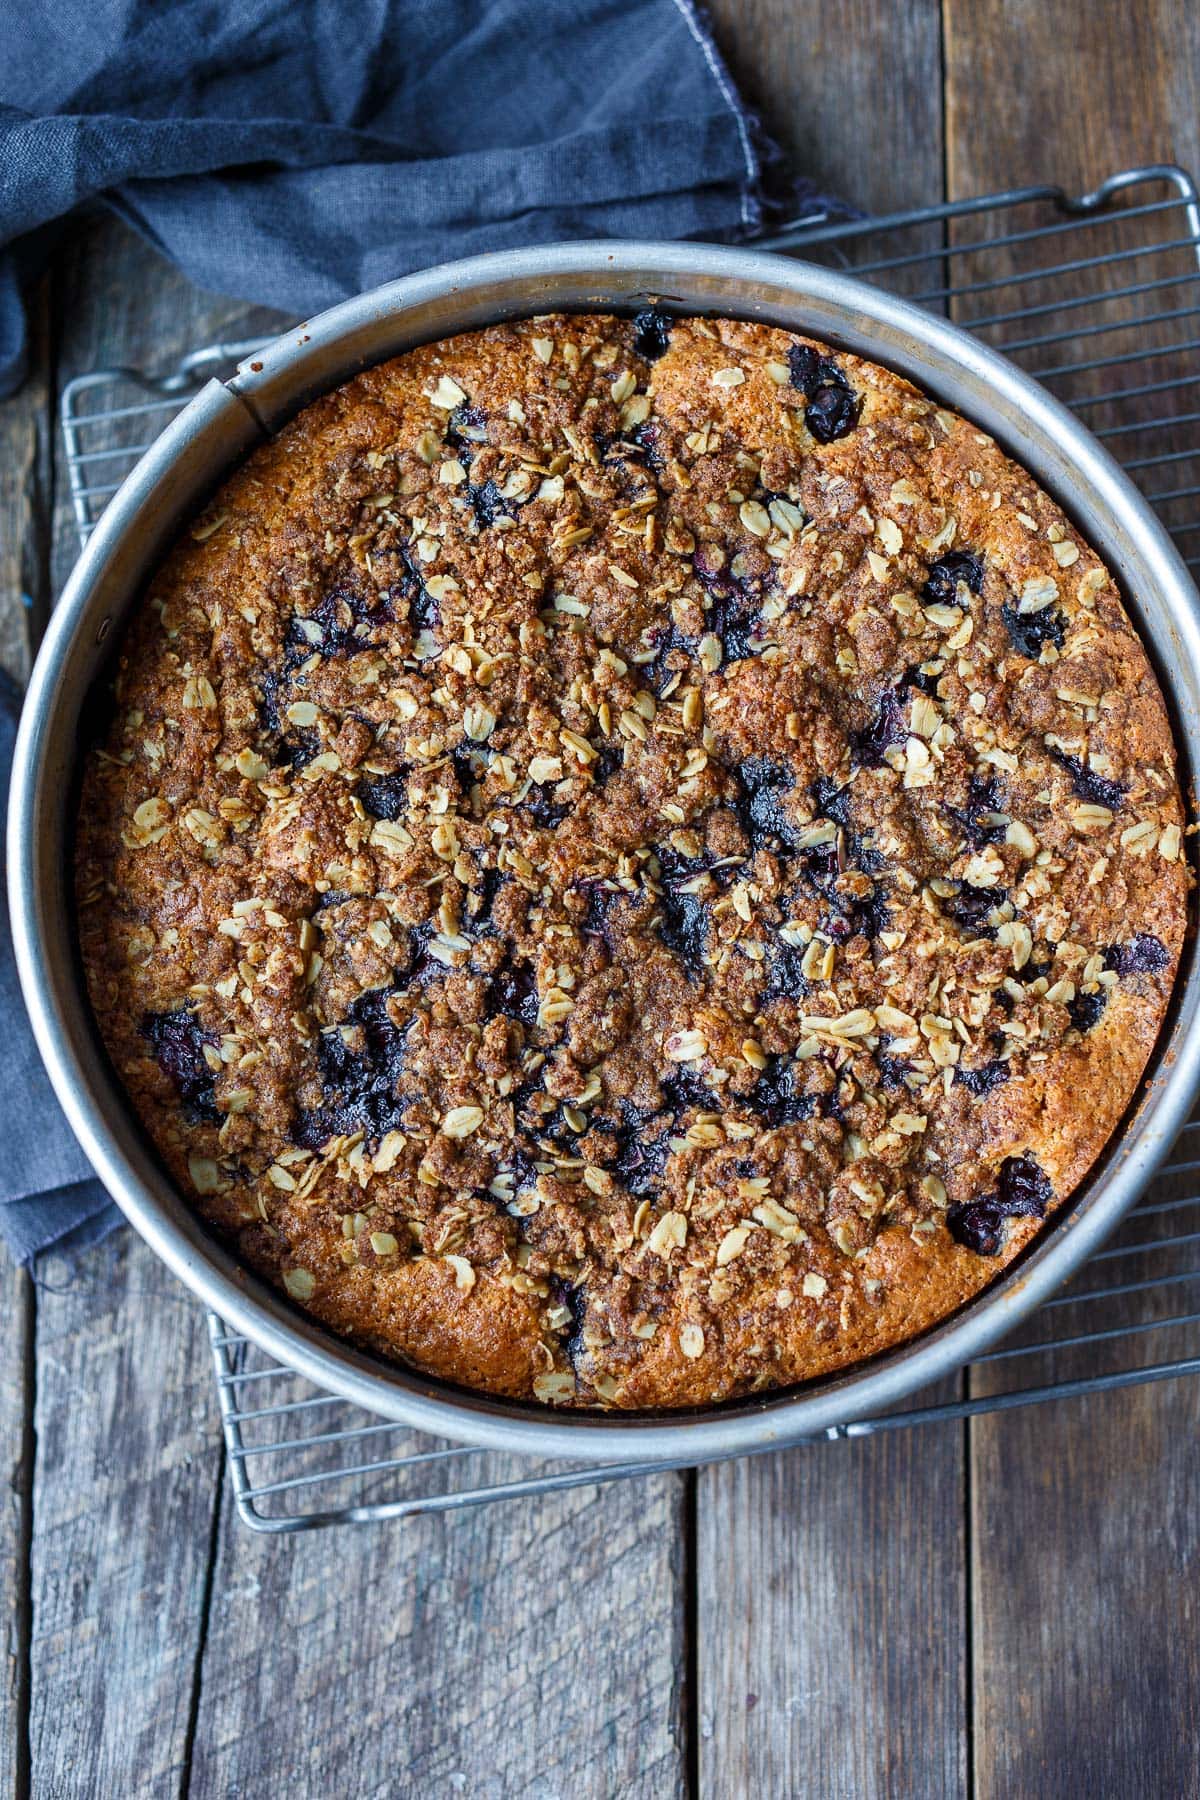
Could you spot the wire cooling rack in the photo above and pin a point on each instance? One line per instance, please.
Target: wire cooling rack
(1096, 295)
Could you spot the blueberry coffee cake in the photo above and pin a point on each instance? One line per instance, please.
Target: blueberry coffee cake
(634, 861)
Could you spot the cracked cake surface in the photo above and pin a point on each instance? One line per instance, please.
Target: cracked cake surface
(633, 861)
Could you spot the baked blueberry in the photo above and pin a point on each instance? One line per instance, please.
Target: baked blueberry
(292, 747)
(977, 818)
(982, 1080)
(684, 915)
(856, 915)
(734, 603)
(1086, 783)
(924, 676)
(831, 799)
(512, 991)
(775, 1098)
(970, 907)
(1023, 1189)
(383, 796)
(573, 1299)
(466, 429)
(296, 749)
(424, 612)
(672, 653)
(894, 1071)
(469, 764)
(735, 617)
(1022, 1192)
(832, 405)
(641, 1151)
(481, 900)
(759, 805)
(1142, 954)
(647, 440)
(608, 759)
(177, 1040)
(941, 586)
(887, 730)
(1087, 1008)
(339, 625)
(487, 503)
(542, 808)
(631, 453)
(603, 899)
(684, 927)
(683, 1088)
(1029, 632)
(785, 973)
(652, 333)
(976, 1224)
(361, 1063)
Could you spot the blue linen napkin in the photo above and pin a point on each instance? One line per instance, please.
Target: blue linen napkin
(48, 1194)
(293, 155)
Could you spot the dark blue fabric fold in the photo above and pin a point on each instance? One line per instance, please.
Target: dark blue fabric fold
(296, 153)
(48, 1194)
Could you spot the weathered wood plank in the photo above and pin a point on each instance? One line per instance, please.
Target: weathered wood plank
(128, 1445)
(26, 478)
(25, 498)
(529, 1648)
(815, 75)
(1084, 1533)
(851, 90)
(124, 1493)
(831, 1580)
(831, 1614)
(1087, 1548)
(16, 1403)
(1067, 94)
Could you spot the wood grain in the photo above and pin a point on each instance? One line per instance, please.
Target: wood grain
(831, 1621)
(850, 89)
(1085, 1543)
(526, 1649)
(128, 1445)
(1087, 1552)
(832, 1580)
(26, 498)
(124, 1488)
(16, 1522)
(1067, 94)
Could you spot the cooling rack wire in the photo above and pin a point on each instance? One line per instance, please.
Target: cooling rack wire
(1095, 295)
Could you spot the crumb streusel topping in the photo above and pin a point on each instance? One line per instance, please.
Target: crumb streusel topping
(635, 861)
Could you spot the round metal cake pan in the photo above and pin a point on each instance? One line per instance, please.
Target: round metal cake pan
(177, 475)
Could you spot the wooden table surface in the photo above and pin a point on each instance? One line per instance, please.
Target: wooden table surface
(1002, 1607)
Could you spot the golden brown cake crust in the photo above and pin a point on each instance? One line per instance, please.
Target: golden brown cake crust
(633, 863)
